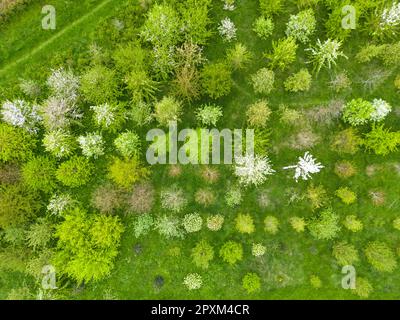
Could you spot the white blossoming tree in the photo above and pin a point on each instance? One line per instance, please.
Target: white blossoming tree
(227, 29)
(381, 109)
(64, 84)
(325, 54)
(20, 113)
(59, 113)
(252, 169)
(390, 18)
(193, 281)
(229, 5)
(306, 166)
(59, 143)
(92, 145)
(107, 116)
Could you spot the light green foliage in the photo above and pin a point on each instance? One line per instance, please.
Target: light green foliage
(142, 225)
(127, 171)
(39, 234)
(231, 252)
(300, 81)
(108, 116)
(301, 26)
(381, 140)
(251, 282)
(140, 85)
(128, 144)
(283, 53)
(317, 196)
(269, 7)
(380, 256)
(75, 172)
(215, 222)
(193, 281)
(357, 112)
(258, 249)
(396, 224)
(363, 288)
(202, 254)
(169, 227)
(168, 109)
(345, 253)
(208, 114)
(87, 245)
(192, 222)
(39, 174)
(16, 143)
(129, 57)
(216, 80)
(315, 282)
(353, 224)
(59, 143)
(346, 195)
(263, 27)
(325, 226)
(271, 224)
(263, 81)
(92, 145)
(258, 114)
(298, 224)
(244, 223)
(238, 56)
(233, 197)
(99, 85)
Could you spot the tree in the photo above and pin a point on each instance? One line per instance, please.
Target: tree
(59, 143)
(381, 110)
(251, 282)
(270, 7)
(168, 109)
(300, 81)
(345, 253)
(353, 224)
(244, 223)
(193, 281)
(87, 245)
(306, 166)
(263, 81)
(357, 112)
(346, 141)
(283, 53)
(173, 199)
(208, 114)
(215, 222)
(363, 287)
(39, 174)
(346, 195)
(140, 85)
(238, 56)
(128, 144)
(22, 114)
(58, 113)
(39, 234)
(92, 145)
(192, 222)
(325, 226)
(301, 26)
(231, 252)
(16, 144)
(127, 172)
(252, 169)
(263, 27)
(271, 224)
(169, 227)
(202, 254)
(227, 29)
(64, 84)
(216, 80)
(99, 85)
(108, 116)
(325, 54)
(380, 256)
(75, 172)
(381, 140)
(258, 114)
(298, 224)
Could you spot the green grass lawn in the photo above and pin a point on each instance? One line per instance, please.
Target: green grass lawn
(292, 258)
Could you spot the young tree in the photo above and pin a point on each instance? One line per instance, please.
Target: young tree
(216, 80)
(59, 143)
(263, 81)
(325, 54)
(358, 112)
(283, 54)
(301, 26)
(381, 140)
(92, 145)
(39, 174)
(244, 223)
(300, 81)
(99, 85)
(208, 114)
(238, 56)
(75, 172)
(202, 254)
(251, 282)
(127, 172)
(263, 27)
(16, 143)
(380, 256)
(258, 114)
(325, 226)
(306, 166)
(345, 253)
(227, 29)
(231, 252)
(168, 109)
(252, 169)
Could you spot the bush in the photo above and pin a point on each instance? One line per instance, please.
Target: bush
(381, 141)
(244, 223)
(258, 114)
(140, 85)
(317, 196)
(363, 288)
(263, 27)
(75, 172)
(345, 169)
(231, 252)
(258, 250)
(269, 7)
(325, 54)
(283, 54)
(107, 199)
(129, 57)
(227, 29)
(193, 281)
(127, 172)
(59, 143)
(315, 282)
(168, 109)
(17, 205)
(238, 56)
(39, 174)
(215, 222)
(353, 224)
(251, 282)
(233, 197)
(301, 26)
(192, 222)
(202, 254)
(325, 226)
(187, 83)
(173, 199)
(346, 195)
(300, 81)
(99, 85)
(92, 145)
(169, 227)
(108, 116)
(39, 234)
(16, 143)
(141, 200)
(263, 81)
(208, 114)
(357, 112)
(204, 197)
(346, 141)
(380, 256)
(128, 144)
(216, 80)
(298, 224)
(345, 253)
(142, 225)
(271, 224)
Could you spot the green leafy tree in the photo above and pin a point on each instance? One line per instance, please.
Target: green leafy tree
(381, 141)
(192, 222)
(283, 53)
(269, 7)
(263, 81)
(99, 85)
(127, 172)
(231, 252)
(216, 80)
(345, 253)
(325, 226)
(263, 27)
(325, 54)
(251, 282)
(244, 223)
(300, 81)
(301, 26)
(357, 112)
(271, 224)
(128, 144)
(39, 174)
(380, 256)
(75, 172)
(202, 254)
(59, 143)
(16, 143)
(238, 56)
(168, 109)
(346, 195)
(353, 224)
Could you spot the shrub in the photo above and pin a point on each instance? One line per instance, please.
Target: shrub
(142, 225)
(141, 113)
(140, 85)
(204, 197)
(325, 54)
(380, 256)
(39, 234)
(16, 144)
(99, 85)
(60, 204)
(253, 170)
(107, 199)
(128, 144)
(216, 80)
(128, 57)
(192, 222)
(263, 81)
(17, 205)
(169, 227)
(363, 288)
(59, 113)
(108, 116)
(231, 252)
(340, 82)
(202, 254)
(173, 199)
(300, 81)
(251, 282)
(39, 174)
(271, 224)
(263, 27)
(258, 114)
(269, 7)
(87, 245)
(258, 250)
(22, 114)
(10, 174)
(381, 141)
(315, 282)
(353, 224)
(345, 169)
(345, 253)
(193, 281)
(59, 143)
(325, 226)
(283, 54)
(238, 56)
(346, 141)
(357, 112)
(301, 26)
(127, 172)
(317, 195)
(233, 197)
(187, 83)
(63, 84)
(215, 222)
(346, 195)
(167, 109)
(208, 114)
(244, 223)
(381, 110)
(227, 29)
(92, 145)
(298, 224)
(141, 199)
(75, 172)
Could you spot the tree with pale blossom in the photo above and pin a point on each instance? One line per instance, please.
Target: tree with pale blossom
(253, 169)
(64, 84)
(306, 166)
(20, 113)
(92, 145)
(227, 29)
(59, 113)
(381, 109)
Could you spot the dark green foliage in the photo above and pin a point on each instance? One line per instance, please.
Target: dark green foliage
(216, 80)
